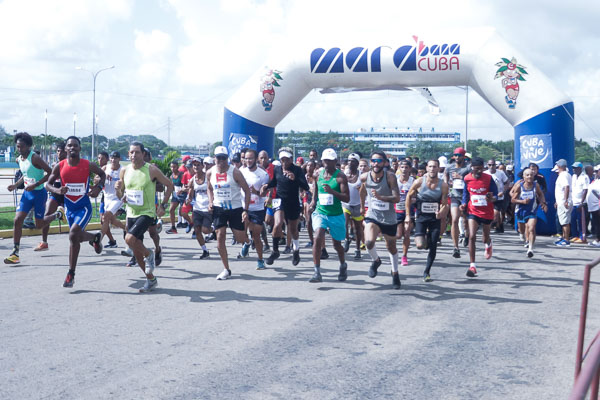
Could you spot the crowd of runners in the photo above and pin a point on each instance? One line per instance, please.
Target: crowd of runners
(265, 201)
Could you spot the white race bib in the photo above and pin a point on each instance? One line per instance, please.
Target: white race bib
(223, 194)
(325, 199)
(478, 200)
(429, 208)
(380, 205)
(458, 184)
(135, 197)
(276, 203)
(29, 181)
(177, 189)
(76, 189)
(401, 206)
(254, 199)
(527, 195)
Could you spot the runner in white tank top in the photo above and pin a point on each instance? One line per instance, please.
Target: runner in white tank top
(198, 196)
(112, 203)
(351, 209)
(405, 225)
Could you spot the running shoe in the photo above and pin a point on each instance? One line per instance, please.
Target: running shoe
(316, 278)
(159, 226)
(287, 250)
(396, 281)
(97, 243)
(529, 253)
(357, 255)
(260, 265)
(189, 228)
(158, 258)
(426, 278)
(296, 257)
(150, 263)
(522, 237)
(149, 286)
(132, 262)
(526, 244)
(595, 243)
(343, 275)
(194, 235)
(245, 250)
(560, 239)
(373, 268)
(404, 261)
(488, 251)
(233, 242)
(41, 247)
(466, 241)
(347, 245)
(274, 256)
(564, 243)
(127, 253)
(61, 215)
(111, 245)
(204, 255)
(308, 245)
(70, 279)
(225, 274)
(363, 246)
(324, 254)
(171, 231)
(456, 253)
(576, 240)
(472, 271)
(180, 225)
(266, 248)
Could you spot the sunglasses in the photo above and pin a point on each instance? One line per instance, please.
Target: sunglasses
(459, 155)
(221, 157)
(377, 160)
(491, 164)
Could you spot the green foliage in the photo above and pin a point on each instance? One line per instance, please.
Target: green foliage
(163, 164)
(302, 143)
(585, 153)
(427, 149)
(214, 146)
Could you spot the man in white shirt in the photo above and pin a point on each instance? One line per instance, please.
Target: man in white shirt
(501, 181)
(593, 204)
(580, 182)
(564, 202)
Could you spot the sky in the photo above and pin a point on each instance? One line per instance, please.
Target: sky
(180, 60)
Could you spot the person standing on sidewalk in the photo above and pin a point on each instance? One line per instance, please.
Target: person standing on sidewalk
(563, 202)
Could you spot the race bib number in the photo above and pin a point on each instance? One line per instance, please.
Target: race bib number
(458, 184)
(223, 194)
(528, 195)
(29, 181)
(135, 197)
(276, 203)
(254, 199)
(429, 208)
(380, 205)
(325, 199)
(401, 206)
(76, 189)
(479, 200)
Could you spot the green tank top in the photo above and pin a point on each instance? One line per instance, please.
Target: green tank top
(328, 204)
(139, 191)
(31, 174)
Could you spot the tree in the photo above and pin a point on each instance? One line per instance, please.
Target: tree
(585, 153)
(427, 149)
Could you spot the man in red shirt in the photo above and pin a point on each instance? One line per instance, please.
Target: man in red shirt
(478, 203)
(185, 209)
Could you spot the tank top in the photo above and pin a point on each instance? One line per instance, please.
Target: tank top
(112, 176)
(428, 200)
(31, 174)
(381, 211)
(354, 189)
(76, 178)
(530, 207)
(226, 191)
(177, 185)
(200, 196)
(328, 204)
(457, 184)
(403, 188)
(255, 179)
(139, 191)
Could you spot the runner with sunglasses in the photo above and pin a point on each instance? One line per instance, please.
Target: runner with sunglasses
(454, 177)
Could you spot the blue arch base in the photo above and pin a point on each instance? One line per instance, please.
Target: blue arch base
(239, 132)
(545, 139)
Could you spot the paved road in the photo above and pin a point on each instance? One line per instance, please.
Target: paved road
(510, 333)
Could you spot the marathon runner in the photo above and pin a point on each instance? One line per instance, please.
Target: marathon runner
(352, 207)
(453, 176)
(527, 195)
(478, 202)
(112, 203)
(137, 187)
(74, 173)
(179, 195)
(381, 188)
(307, 200)
(198, 192)
(35, 173)
(501, 181)
(431, 193)
(54, 203)
(330, 190)
(405, 225)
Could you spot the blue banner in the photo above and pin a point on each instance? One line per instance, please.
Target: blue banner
(239, 141)
(536, 149)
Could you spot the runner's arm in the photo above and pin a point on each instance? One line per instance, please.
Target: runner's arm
(344, 193)
(541, 198)
(239, 178)
(302, 181)
(39, 162)
(96, 189)
(412, 193)
(362, 191)
(443, 211)
(52, 178)
(209, 190)
(157, 175)
(120, 185)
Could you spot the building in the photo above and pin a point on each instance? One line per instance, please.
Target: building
(394, 141)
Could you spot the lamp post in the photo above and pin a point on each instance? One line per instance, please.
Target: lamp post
(94, 75)
(74, 124)
(466, 89)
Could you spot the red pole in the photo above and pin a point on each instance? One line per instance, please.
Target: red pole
(582, 319)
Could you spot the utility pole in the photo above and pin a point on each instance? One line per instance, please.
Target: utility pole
(169, 131)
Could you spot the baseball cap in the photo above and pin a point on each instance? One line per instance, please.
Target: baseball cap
(189, 163)
(597, 167)
(561, 163)
(185, 158)
(221, 151)
(468, 155)
(209, 160)
(276, 163)
(510, 167)
(300, 160)
(197, 159)
(459, 150)
(443, 161)
(329, 154)
(577, 164)
(477, 162)
(115, 154)
(284, 153)
(354, 156)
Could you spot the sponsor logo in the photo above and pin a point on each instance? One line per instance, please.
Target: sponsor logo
(536, 149)
(269, 81)
(418, 57)
(238, 141)
(511, 73)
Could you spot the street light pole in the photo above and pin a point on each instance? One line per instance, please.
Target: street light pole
(74, 124)
(45, 131)
(94, 75)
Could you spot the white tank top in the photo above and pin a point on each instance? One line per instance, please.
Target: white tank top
(354, 189)
(112, 176)
(200, 196)
(403, 188)
(226, 191)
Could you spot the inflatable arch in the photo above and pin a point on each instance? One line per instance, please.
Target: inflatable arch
(542, 116)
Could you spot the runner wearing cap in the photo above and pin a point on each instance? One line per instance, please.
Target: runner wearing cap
(351, 209)
(501, 181)
(478, 202)
(454, 177)
(186, 209)
(563, 202)
(257, 179)
(198, 195)
(265, 163)
(310, 167)
(111, 202)
(330, 190)
(225, 185)
(381, 188)
(288, 178)
(431, 194)
(178, 194)
(405, 225)
(527, 195)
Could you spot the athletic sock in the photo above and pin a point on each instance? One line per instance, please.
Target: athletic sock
(204, 247)
(373, 253)
(530, 246)
(461, 226)
(296, 244)
(317, 269)
(394, 261)
(16, 248)
(276, 244)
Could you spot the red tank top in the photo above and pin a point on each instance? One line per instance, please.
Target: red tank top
(478, 189)
(76, 178)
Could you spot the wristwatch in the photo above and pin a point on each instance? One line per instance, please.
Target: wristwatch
(164, 205)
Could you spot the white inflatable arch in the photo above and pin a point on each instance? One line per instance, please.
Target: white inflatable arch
(542, 116)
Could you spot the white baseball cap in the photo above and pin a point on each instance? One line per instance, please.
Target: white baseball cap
(209, 160)
(329, 154)
(354, 156)
(510, 167)
(220, 151)
(284, 153)
(597, 167)
(443, 161)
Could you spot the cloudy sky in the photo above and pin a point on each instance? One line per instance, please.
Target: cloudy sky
(182, 59)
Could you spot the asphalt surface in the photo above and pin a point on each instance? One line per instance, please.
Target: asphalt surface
(509, 333)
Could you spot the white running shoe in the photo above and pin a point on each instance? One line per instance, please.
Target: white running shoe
(150, 263)
(225, 274)
(149, 286)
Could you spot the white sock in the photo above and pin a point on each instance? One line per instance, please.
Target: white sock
(487, 245)
(296, 244)
(472, 265)
(530, 246)
(394, 261)
(373, 253)
(461, 225)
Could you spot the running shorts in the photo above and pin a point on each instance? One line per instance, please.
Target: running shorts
(291, 208)
(257, 217)
(480, 221)
(59, 198)
(79, 215)
(112, 205)
(139, 225)
(36, 199)
(335, 223)
(223, 217)
(353, 212)
(202, 218)
(389, 230)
